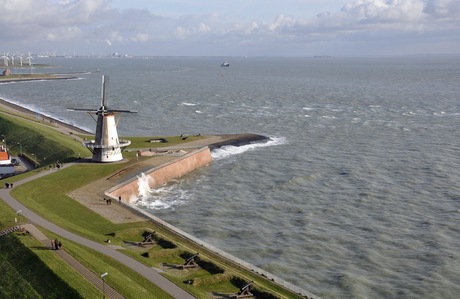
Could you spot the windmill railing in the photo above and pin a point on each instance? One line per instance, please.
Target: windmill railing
(121, 143)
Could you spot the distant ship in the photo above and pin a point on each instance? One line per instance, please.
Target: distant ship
(225, 63)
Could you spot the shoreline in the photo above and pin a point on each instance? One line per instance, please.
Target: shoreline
(43, 78)
(20, 111)
(129, 212)
(213, 141)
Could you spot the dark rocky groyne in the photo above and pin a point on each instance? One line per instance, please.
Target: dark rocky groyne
(238, 140)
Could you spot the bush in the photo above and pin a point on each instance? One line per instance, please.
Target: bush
(210, 267)
(166, 244)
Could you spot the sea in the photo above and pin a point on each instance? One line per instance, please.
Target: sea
(355, 195)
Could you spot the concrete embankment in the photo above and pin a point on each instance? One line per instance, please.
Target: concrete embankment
(162, 174)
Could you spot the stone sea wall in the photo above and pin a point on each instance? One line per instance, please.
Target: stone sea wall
(129, 190)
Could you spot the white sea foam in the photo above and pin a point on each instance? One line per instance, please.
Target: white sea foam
(230, 150)
(169, 196)
(189, 104)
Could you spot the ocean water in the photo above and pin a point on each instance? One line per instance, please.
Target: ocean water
(356, 195)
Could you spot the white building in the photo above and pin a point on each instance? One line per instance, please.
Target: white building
(6, 166)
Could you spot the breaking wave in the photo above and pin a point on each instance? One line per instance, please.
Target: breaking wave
(230, 150)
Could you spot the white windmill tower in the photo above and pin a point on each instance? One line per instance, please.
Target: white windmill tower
(12, 59)
(106, 147)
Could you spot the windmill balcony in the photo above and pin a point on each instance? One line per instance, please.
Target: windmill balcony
(92, 144)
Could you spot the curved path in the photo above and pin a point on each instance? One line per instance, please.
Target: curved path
(140, 268)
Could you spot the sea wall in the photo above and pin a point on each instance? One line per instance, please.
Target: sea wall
(129, 190)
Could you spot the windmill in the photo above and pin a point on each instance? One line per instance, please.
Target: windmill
(12, 59)
(106, 147)
(21, 59)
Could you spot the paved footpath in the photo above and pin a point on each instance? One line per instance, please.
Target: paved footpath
(149, 273)
(94, 279)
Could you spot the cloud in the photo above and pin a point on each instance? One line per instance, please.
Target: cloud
(372, 19)
(365, 15)
(141, 37)
(83, 24)
(443, 9)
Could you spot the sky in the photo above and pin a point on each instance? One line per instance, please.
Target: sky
(230, 27)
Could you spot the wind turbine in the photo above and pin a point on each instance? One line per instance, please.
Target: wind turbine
(12, 59)
(5, 59)
(106, 147)
(29, 59)
(20, 59)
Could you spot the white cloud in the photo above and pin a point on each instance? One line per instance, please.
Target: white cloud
(383, 12)
(282, 21)
(141, 37)
(79, 24)
(443, 9)
(364, 16)
(203, 28)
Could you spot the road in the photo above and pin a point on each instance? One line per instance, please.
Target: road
(140, 268)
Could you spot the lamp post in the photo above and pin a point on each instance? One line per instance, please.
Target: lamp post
(19, 217)
(35, 160)
(103, 283)
(20, 148)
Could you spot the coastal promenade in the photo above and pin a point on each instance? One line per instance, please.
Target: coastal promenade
(92, 196)
(149, 273)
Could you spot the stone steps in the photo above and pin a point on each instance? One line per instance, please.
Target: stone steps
(9, 230)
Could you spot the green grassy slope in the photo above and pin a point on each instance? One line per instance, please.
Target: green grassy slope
(37, 138)
(24, 275)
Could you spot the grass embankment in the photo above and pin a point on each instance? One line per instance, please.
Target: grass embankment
(24, 275)
(47, 196)
(38, 140)
(29, 271)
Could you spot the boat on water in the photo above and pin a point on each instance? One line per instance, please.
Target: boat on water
(225, 64)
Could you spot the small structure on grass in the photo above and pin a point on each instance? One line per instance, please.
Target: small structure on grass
(244, 291)
(148, 240)
(189, 263)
